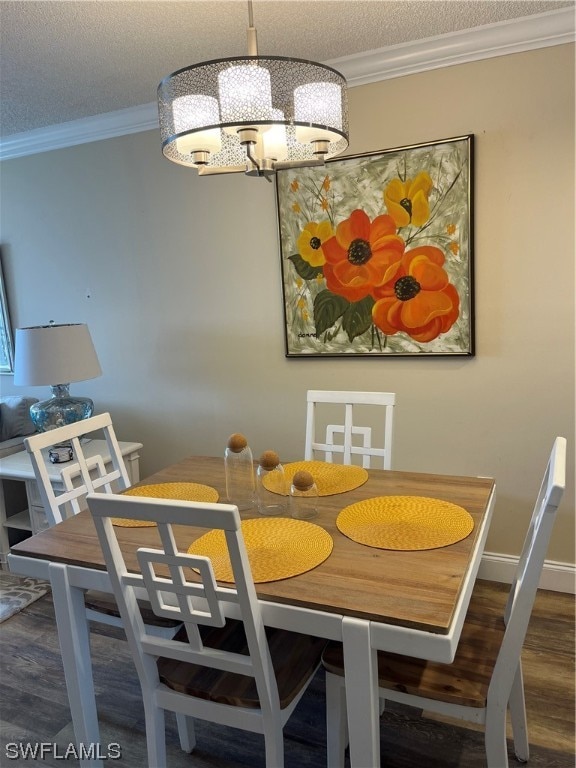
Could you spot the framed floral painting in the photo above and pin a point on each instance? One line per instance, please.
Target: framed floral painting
(6, 344)
(377, 253)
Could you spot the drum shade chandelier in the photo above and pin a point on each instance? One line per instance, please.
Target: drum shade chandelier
(253, 114)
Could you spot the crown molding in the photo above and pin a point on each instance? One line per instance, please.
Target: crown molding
(88, 129)
(514, 36)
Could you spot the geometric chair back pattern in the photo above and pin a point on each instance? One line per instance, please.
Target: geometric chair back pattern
(348, 439)
(84, 475)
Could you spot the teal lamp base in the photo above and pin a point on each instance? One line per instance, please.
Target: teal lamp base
(60, 409)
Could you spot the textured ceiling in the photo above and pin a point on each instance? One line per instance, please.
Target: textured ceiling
(61, 60)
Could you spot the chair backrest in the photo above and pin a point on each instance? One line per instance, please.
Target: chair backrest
(87, 474)
(182, 587)
(525, 584)
(349, 438)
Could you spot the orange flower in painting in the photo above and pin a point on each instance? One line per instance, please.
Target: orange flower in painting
(362, 255)
(296, 207)
(326, 183)
(407, 201)
(294, 185)
(420, 301)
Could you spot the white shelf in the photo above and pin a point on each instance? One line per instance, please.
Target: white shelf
(20, 520)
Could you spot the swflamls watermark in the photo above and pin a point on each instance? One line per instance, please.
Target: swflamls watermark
(42, 749)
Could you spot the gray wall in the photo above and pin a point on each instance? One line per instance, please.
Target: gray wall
(186, 303)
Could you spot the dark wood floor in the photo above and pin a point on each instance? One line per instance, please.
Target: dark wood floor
(34, 706)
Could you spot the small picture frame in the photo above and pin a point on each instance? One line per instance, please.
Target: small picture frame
(377, 253)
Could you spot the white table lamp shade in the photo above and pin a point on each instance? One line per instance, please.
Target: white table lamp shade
(54, 354)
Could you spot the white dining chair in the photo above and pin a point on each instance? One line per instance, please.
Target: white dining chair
(352, 437)
(230, 671)
(84, 475)
(91, 473)
(485, 677)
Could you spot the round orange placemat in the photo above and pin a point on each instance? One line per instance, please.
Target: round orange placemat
(405, 522)
(330, 478)
(278, 547)
(181, 491)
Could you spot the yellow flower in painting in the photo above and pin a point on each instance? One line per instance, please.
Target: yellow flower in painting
(305, 315)
(454, 247)
(326, 183)
(301, 303)
(324, 203)
(295, 207)
(310, 242)
(407, 201)
(299, 282)
(294, 185)
(451, 228)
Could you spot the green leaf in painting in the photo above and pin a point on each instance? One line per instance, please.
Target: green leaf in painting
(305, 270)
(358, 317)
(328, 307)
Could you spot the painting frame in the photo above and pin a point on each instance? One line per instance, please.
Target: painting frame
(6, 337)
(377, 253)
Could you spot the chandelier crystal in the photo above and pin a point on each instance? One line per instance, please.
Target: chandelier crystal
(253, 114)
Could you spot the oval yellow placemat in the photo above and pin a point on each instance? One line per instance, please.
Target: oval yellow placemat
(405, 522)
(330, 478)
(181, 491)
(278, 547)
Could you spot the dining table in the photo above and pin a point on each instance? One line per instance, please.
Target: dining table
(400, 599)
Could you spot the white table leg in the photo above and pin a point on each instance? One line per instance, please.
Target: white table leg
(361, 679)
(74, 637)
(4, 542)
(132, 462)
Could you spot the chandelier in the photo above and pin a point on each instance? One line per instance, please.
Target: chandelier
(253, 114)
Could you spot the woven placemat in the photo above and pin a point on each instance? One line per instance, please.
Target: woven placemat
(405, 522)
(180, 491)
(330, 478)
(278, 547)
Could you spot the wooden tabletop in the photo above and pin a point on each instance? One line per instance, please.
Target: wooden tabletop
(415, 589)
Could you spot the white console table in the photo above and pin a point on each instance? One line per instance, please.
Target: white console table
(19, 467)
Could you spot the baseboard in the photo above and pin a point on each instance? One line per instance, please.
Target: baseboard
(559, 577)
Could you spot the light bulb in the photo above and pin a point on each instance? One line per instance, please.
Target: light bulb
(245, 95)
(275, 142)
(317, 103)
(193, 112)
